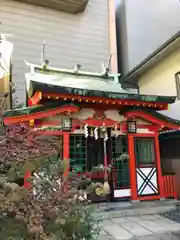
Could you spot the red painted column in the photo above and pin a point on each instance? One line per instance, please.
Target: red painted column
(159, 170)
(175, 188)
(66, 154)
(66, 145)
(132, 168)
(26, 177)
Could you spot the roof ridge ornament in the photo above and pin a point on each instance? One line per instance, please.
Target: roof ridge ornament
(116, 78)
(77, 68)
(106, 70)
(76, 71)
(43, 53)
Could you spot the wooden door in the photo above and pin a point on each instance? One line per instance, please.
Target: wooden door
(146, 166)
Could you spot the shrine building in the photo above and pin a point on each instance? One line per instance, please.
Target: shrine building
(100, 124)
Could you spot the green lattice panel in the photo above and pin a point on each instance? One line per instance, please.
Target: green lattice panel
(121, 168)
(145, 154)
(78, 153)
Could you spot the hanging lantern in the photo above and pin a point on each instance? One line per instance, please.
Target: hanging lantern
(96, 133)
(86, 131)
(66, 123)
(131, 126)
(31, 122)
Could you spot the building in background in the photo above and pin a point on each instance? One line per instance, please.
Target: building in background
(76, 32)
(142, 27)
(159, 74)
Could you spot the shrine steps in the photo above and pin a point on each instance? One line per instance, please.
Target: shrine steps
(125, 209)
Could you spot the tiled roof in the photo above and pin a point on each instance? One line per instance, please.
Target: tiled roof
(31, 110)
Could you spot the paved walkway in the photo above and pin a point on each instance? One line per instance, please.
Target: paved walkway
(128, 209)
(145, 227)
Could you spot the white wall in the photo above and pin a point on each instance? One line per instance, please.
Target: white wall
(160, 79)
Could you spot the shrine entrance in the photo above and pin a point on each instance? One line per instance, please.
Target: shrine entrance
(95, 153)
(87, 157)
(146, 169)
(120, 171)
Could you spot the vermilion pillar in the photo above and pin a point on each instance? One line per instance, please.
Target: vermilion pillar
(66, 145)
(132, 168)
(159, 170)
(66, 155)
(26, 177)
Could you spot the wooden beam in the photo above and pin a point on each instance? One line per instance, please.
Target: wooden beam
(39, 115)
(152, 119)
(105, 101)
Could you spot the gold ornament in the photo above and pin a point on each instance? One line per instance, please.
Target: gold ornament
(99, 191)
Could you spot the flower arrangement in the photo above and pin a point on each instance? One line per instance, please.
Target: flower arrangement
(123, 157)
(100, 168)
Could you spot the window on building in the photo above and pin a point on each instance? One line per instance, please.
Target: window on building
(78, 153)
(145, 151)
(95, 152)
(177, 79)
(119, 146)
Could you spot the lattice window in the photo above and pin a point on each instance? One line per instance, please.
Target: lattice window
(145, 152)
(95, 152)
(120, 172)
(78, 153)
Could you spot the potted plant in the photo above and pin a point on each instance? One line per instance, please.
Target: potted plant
(96, 192)
(99, 188)
(123, 157)
(119, 163)
(98, 172)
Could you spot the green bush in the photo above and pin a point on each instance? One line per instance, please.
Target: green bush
(48, 210)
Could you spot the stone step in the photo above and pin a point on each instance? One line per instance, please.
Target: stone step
(117, 210)
(144, 227)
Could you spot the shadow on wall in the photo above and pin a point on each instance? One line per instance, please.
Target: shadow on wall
(173, 110)
(143, 19)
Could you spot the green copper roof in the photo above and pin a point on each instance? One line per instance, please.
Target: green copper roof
(69, 82)
(77, 81)
(58, 71)
(74, 79)
(31, 110)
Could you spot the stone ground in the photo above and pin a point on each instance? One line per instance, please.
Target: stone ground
(106, 211)
(143, 227)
